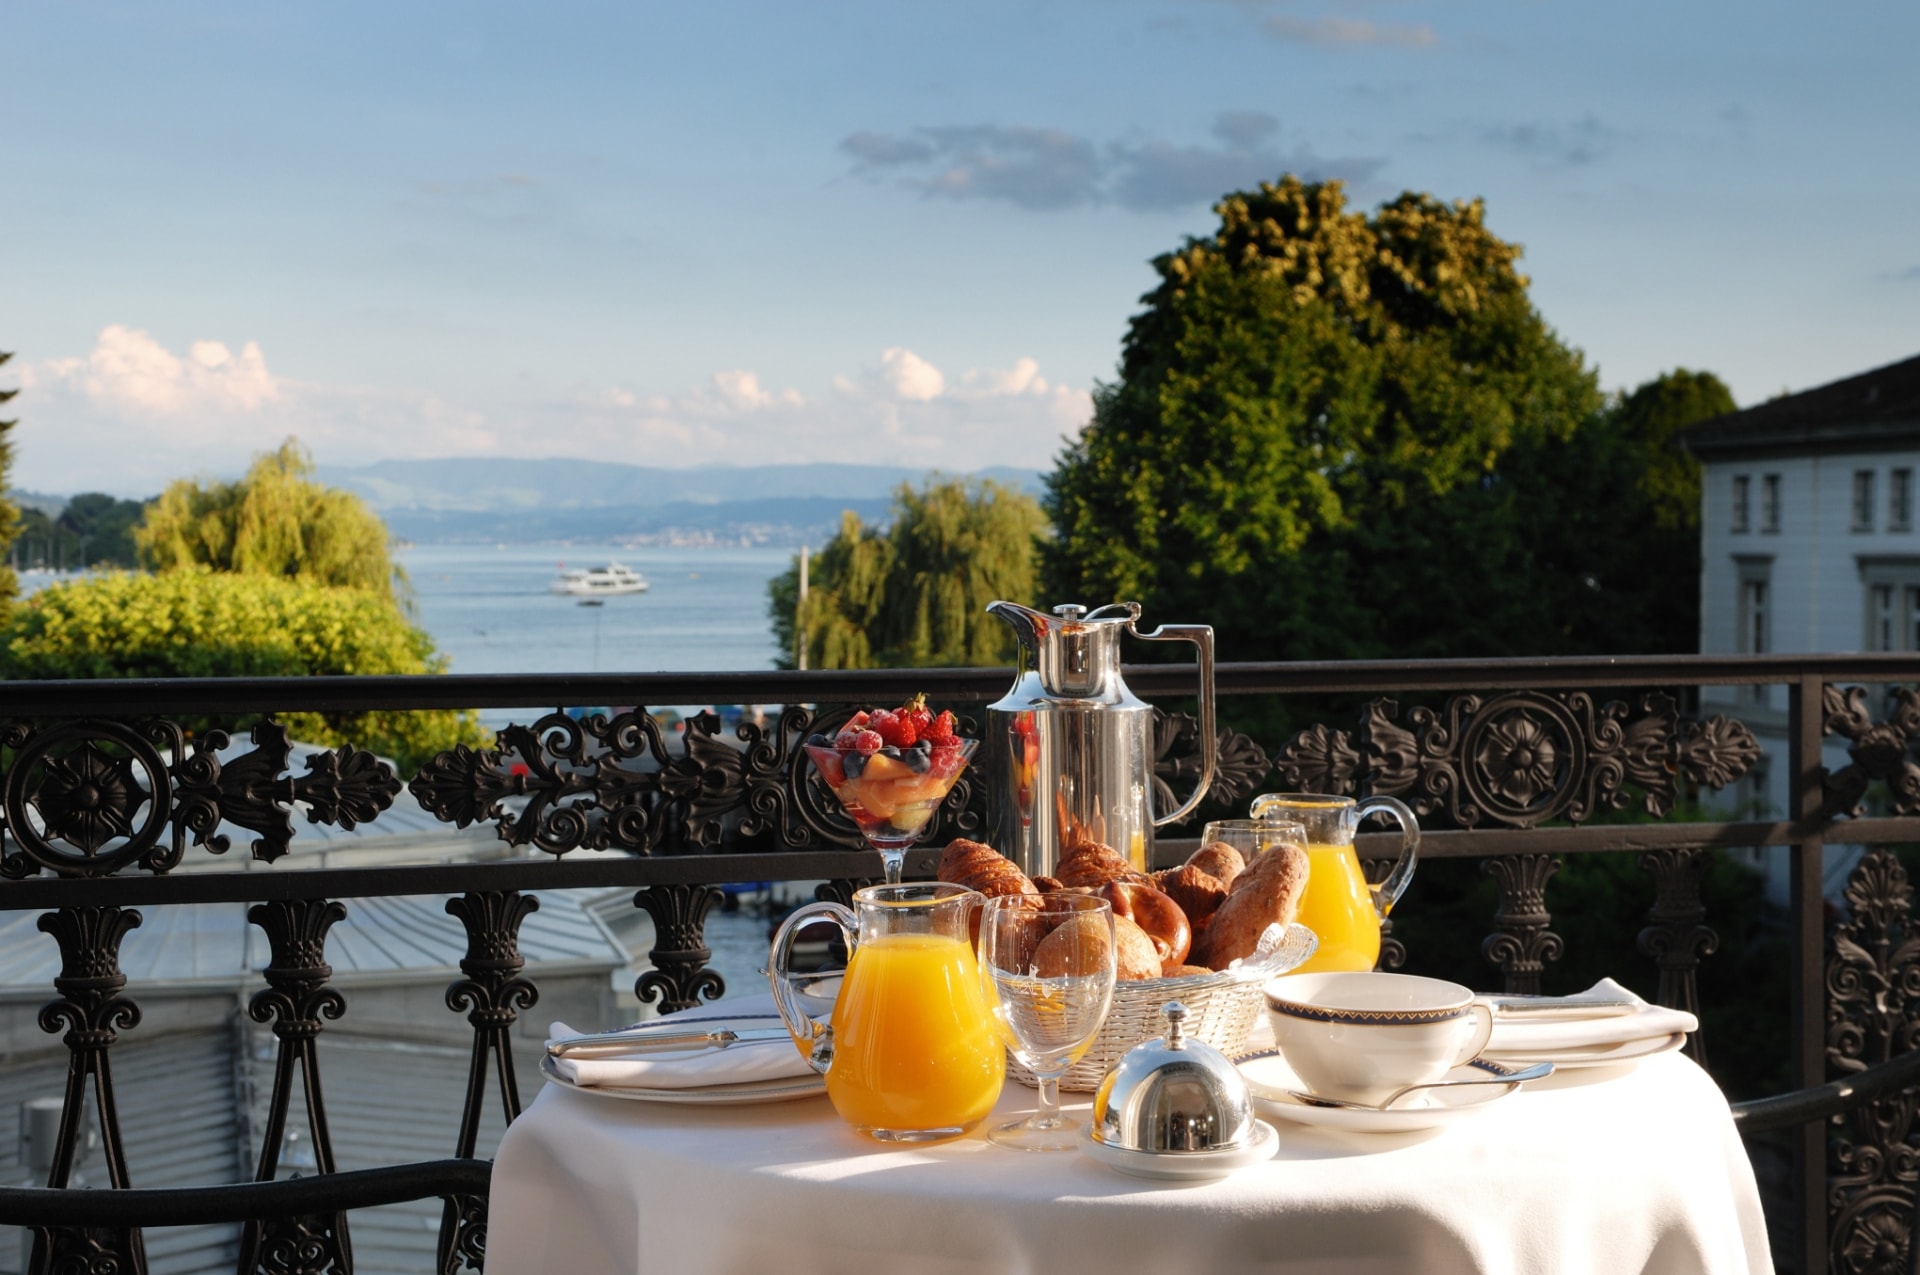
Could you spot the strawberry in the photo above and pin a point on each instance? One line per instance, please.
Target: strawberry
(894, 728)
(942, 729)
(916, 711)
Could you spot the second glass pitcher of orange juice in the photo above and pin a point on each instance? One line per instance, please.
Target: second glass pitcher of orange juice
(1339, 905)
(910, 1053)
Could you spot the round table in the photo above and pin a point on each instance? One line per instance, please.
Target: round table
(1632, 1168)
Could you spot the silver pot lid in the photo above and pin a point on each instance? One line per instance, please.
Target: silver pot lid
(1173, 1094)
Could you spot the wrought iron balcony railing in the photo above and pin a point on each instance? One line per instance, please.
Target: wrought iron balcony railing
(110, 807)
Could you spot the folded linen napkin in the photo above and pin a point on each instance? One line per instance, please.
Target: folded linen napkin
(1521, 1034)
(696, 1068)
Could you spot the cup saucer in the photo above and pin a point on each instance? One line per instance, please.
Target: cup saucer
(1269, 1078)
(1185, 1166)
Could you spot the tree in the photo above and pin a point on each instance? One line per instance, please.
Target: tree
(9, 512)
(915, 593)
(197, 622)
(101, 527)
(1304, 443)
(274, 521)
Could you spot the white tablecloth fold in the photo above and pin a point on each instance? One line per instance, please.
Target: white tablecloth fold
(1519, 1034)
(735, 1064)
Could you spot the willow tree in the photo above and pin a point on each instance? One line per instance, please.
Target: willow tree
(275, 521)
(914, 593)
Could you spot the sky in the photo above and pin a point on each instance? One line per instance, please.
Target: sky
(732, 233)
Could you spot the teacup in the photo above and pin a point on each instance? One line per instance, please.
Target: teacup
(1361, 1035)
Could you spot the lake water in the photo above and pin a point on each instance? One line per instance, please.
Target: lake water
(489, 610)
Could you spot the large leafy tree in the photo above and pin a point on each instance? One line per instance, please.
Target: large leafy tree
(914, 593)
(275, 521)
(1304, 443)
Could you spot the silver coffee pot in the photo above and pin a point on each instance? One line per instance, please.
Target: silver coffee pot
(1069, 750)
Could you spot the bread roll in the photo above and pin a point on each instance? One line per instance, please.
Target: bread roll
(1198, 892)
(1135, 955)
(1078, 946)
(1267, 893)
(1220, 861)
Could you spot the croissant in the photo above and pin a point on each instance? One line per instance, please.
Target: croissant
(1091, 863)
(981, 867)
(1267, 892)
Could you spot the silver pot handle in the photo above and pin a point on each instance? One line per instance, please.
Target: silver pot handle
(1201, 635)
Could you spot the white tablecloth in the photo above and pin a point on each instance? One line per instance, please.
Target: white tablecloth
(1636, 1168)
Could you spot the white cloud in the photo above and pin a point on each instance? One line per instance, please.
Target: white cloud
(131, 415)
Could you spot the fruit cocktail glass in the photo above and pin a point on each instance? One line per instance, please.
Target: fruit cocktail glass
(891, 792)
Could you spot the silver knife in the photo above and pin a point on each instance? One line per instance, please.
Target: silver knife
(1561, 1006)
(620, 1044)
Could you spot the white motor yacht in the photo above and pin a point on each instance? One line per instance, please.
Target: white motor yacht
(611, 580)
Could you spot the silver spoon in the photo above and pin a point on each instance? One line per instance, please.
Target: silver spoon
(1539, 1071)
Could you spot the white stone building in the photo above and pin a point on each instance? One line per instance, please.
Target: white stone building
(1810, 542)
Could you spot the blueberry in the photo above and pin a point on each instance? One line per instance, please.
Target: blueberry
(817, 740)
(854, 764)
(919, 758)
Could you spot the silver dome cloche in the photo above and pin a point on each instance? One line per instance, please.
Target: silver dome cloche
(1173, 1095)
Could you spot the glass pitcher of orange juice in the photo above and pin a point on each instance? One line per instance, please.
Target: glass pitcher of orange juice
(1339, 905)
(910, 1052)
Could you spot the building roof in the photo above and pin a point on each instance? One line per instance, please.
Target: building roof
(1873, 410)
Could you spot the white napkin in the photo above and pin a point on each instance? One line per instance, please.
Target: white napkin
(1519, 1034)
(697, 1068)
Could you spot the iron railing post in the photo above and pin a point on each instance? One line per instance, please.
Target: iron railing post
(1807, 981)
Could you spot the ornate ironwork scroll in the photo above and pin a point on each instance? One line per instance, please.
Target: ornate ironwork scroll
(1522, 758)
(1873, 1014)
(613, 784)
(93, 1013)
(88, 798)
(680, 976)
(1881, 751)
(1524, 944)
(296, 999)
(1676, 935)
(493, 993)
(1241, 764)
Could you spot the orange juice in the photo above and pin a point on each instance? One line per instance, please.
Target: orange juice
(914, 1045)
(1338, 907)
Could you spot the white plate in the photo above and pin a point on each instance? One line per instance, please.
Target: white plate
(1593, 1056)
(1184, 1165)
(784, 1090)
(1269, 1078)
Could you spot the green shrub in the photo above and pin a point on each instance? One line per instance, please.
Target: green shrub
(203, 623)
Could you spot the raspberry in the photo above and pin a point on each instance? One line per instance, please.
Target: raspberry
(868, 741)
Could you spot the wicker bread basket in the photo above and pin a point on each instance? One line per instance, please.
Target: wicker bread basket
(1222, 1008)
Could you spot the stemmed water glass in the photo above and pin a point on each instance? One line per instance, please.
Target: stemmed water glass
(891, 794)
(1051, 962)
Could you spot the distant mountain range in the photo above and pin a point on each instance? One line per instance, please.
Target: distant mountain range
(476, 500)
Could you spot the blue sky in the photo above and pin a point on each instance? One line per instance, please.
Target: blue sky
(733, 233)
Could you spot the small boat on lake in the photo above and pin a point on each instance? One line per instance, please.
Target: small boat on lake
(609, 581)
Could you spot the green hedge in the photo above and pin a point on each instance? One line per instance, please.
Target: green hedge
(203, 623)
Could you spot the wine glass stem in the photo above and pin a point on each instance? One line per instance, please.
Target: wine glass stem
(1049, 1113)
(895, 862)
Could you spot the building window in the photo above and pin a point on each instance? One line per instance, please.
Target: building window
(1770, 503)
(1756, 606)
(1892, 587)
(1740, 484)
(1863, 500)
(1900, 500)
